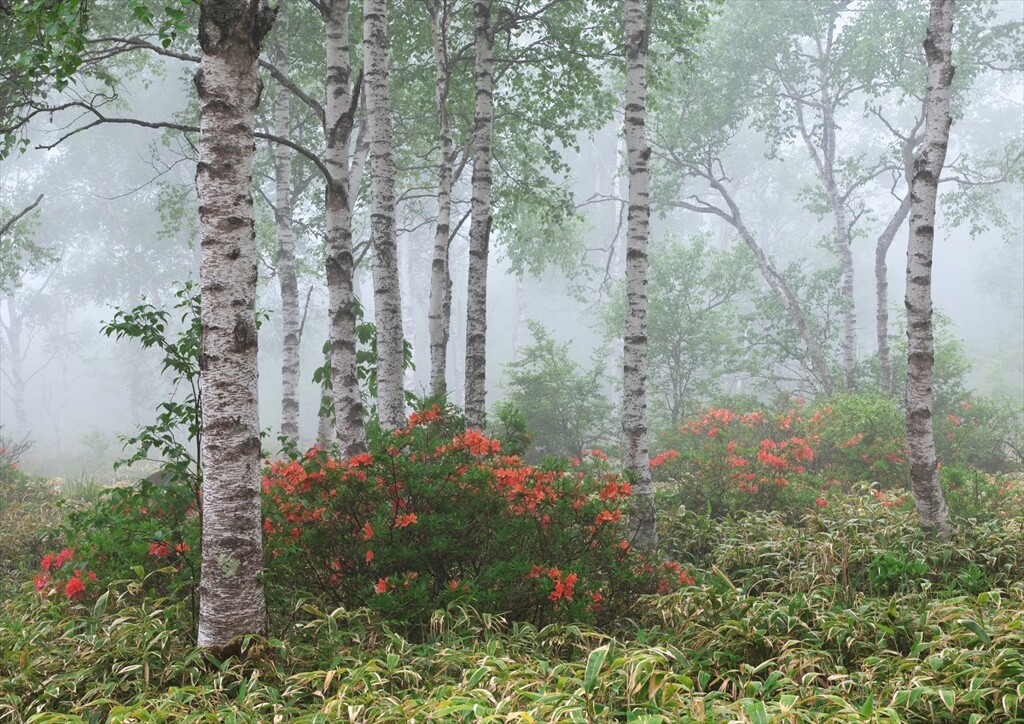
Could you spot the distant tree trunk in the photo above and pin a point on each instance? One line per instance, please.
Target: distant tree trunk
(15, 374)
(825, 164)
(339, 112)
(231, 602)
(882, 247)
(440, 312)
(885, 240)
(930, 503)
(409, 332)
(383, 171)
(480, 220)
(286, 272)
(776, 283)
(634, 418)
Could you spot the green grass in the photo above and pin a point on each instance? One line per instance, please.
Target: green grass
(849, 615)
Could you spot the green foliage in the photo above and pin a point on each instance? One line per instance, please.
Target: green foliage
(366, 364)
(563, 404)
(511, 429)
(790, 625)
(435, 514)
(981, 433)
(862, 437)
(694, 326)
(774, 343)
(19, 252)
(149, 326)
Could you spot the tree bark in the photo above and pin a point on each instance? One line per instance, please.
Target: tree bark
(440, 312)
(231, 602)
(634, 370)
(931, 505)
(16, 374)
(882, 246)
(339, 111)
(480, 220)
(286, 271)
(383, 172)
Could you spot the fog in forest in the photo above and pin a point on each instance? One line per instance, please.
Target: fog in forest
(117, 227)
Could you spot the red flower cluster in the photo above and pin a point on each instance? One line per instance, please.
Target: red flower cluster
(48, 582)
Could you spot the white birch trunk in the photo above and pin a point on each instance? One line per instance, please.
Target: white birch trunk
(383, 171)
(16, 369)
(405, 280)
(286, 271)
(231, 597)
(340, 264)
(930, 503)
(634, 370)
(882, 246)
(480, 221)
(439, 312)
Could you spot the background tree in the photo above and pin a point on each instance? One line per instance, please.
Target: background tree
(387, 292)
(564, 405)
(695, 325)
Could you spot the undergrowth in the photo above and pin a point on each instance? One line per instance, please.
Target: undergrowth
(849, 614)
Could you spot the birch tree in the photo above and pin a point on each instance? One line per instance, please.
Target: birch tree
(340, 100)
(634, 369)
(480, 219)
(439, 313)
(232, 601)
(383, 173)
(286, 269)
(929, 500)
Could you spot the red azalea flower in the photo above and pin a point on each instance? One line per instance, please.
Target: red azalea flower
(74, 588)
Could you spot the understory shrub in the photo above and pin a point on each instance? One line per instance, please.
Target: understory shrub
(435, 514)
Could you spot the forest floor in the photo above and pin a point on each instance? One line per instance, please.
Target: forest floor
(847, 613)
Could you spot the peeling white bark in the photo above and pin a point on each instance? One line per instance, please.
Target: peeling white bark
(634, 418)
(480, 220)
(340, 263)
(440, 309)
(383, 173)
(286, 271)
(231, 597)
(930, 503)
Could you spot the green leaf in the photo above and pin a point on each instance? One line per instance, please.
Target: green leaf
(948, 698)
(594, 663)
(101, 605)
(756, 712)
(978, 630)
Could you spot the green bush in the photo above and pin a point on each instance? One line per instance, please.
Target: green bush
(563, 405)
(435, 514)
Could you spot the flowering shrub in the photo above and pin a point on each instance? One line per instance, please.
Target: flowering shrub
(434, 513)
(727, 461)
(60, 576)
(861, 438)
(130, 531)
(983, 434)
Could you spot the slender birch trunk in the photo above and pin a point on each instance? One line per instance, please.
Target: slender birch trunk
(930, 503)
(383, 172)
(286, 271)
(231, 597)
(16, 369)
(340, 263)
(439, 312)
(480, 220)
(882, 246)
(634, 370)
